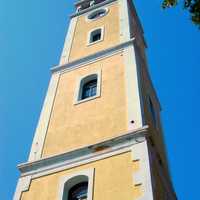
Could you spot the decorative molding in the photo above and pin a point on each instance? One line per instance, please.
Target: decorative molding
(92, 8)
(22, 186)
(83, 155)
(40, 133)
(89, 173)
(93, 57)
(143, 175)
(68, 41)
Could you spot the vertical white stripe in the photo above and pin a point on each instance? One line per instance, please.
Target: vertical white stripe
(124, 21)
(132, 89)
(22, 186)
(40, 134)
(144, 174)
(68, 41)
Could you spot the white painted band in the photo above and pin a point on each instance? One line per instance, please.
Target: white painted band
(40, 134)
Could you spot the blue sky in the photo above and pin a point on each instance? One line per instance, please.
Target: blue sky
(31, 40)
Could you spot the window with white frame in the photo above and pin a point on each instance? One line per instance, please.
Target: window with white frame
(95, 36)
(78, 186)
(88, 87)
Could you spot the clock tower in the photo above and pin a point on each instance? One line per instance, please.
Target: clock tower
(99, 136)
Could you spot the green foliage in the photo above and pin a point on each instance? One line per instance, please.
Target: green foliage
(193, 6)
(169, 3)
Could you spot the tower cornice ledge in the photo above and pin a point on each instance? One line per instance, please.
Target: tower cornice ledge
(93, 57)
(87, 154)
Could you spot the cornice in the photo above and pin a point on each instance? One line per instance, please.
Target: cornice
(93, 57)
(83, 155)
(91, 8)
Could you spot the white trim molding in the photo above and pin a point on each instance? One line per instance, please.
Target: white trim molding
(79, 86)
(67, 182)
(22, 186)
(86, 154)
(78, 157)
(143, 175)
(93, 57)
(41, 130)
(68, 41)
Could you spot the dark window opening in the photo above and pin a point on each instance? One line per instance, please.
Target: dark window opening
(79, 191)
(89, 89)
(95, 36)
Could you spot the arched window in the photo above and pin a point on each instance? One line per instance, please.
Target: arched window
(78, 191)
(76, 188)
(89, 89)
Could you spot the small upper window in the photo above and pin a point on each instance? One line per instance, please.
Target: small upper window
(96, 35)
(97, 14)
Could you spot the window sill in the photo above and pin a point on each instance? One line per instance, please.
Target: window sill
(92, 43)
(87, 99)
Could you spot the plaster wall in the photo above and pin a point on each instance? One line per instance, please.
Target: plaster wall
(72, 125)
(109, 183)
(110, 22)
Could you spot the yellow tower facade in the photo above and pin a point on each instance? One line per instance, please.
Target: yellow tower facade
(99, 136)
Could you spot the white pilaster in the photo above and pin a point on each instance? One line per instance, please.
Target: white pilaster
(22, 186)
(68, 41)
(132, 89)
(40, 134)
(143, 175)
(124, 21)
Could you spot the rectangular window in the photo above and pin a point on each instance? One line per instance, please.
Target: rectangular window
(95, 36)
